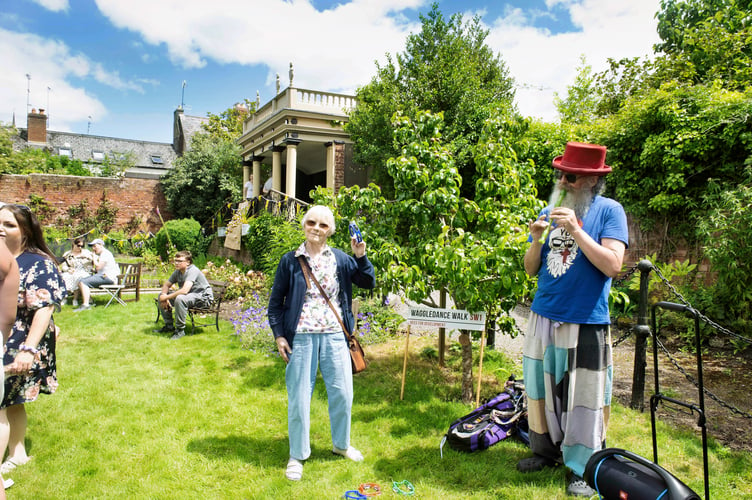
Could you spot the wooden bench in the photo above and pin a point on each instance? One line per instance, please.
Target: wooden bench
(219, 288)
(128, 280)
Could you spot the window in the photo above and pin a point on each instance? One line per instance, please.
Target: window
(65, 152)
(117, 156)
(97, 155)
(156, 159)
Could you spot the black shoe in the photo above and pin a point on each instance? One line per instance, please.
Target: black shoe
(178, 334)
(164, 329)
(535, 463)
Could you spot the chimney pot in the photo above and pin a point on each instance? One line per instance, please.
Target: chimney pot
(36, 127)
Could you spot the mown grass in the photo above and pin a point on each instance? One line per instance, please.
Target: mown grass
(138, 415)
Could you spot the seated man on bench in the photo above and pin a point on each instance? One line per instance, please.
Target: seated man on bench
(193, 291)
(107, 271)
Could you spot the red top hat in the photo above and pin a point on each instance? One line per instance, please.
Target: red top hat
(583, 159)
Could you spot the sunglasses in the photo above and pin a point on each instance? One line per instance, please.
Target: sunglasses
(312, 223)
(80, 245)
(571, 178)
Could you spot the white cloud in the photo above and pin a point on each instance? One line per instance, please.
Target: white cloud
(51, 67)
(333, 49)
(53, 5)
(544, 63)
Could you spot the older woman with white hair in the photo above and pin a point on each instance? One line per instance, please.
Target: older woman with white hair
(309, 336)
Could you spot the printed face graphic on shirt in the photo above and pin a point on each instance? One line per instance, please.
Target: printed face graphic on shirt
(563, 252)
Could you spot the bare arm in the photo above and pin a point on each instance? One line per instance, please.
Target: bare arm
(39, 325)
(9, 280)
(165, 296)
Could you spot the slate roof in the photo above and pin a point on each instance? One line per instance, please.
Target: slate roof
(152, 159)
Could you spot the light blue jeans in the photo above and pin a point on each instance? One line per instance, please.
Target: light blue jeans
(329, 353)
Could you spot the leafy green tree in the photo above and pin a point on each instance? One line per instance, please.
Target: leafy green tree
(448, 68)
(668, 144)
(580, 103)
(204, 179)
(228, 125)
(431, 238)
(706, 40)
(537, 143)
(727, 241)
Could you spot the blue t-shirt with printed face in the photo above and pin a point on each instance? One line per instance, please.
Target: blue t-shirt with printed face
(570, 288)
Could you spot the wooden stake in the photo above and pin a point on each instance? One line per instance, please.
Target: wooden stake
(480, 366)
(404, 362)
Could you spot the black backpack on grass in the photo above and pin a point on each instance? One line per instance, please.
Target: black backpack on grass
(502, 416)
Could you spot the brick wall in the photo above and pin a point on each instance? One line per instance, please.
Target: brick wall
(339, 166)
(132, 197)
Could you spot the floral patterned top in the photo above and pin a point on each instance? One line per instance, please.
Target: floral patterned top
(317, 316)
(41, 286)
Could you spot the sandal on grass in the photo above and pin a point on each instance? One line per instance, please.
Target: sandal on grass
(350, 453)
(294, 470)
(11, 464)
(535, 463)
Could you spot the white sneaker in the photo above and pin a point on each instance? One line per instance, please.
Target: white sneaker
(7, 483)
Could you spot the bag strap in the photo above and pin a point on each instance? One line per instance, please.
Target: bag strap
(308, 275)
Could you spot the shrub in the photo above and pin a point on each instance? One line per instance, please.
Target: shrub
(241, 283)
(269, 238)
(727, 243)
(180, 234)
(377, 321)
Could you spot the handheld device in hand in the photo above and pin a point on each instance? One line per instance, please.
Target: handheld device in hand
(354, 231)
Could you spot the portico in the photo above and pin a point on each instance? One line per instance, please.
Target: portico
(300, 135)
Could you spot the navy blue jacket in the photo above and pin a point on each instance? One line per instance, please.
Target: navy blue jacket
(288, 291)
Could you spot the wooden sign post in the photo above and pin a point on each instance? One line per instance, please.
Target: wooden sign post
(451, 319)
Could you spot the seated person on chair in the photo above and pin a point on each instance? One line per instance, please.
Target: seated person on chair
(78, 264)
(107, 271)
(193, 291)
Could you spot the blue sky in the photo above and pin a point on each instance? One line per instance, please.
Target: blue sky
(116, 68)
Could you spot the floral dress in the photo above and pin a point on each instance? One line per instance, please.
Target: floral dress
(77, 267)
(41, 286)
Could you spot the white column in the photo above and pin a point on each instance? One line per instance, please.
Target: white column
(329, 165)
(257, 180)
(292, 165)
(277, 168)
(246, 173)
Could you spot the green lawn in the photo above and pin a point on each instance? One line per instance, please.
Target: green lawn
(139, 415)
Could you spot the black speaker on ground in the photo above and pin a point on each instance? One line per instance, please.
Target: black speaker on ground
(618, 474)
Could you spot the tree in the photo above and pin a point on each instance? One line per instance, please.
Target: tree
(579, 106)
(706, 40)
(448, 68)
(208, 176)
(431, 238)
(204, 179)
(228, 125)
(668, 144)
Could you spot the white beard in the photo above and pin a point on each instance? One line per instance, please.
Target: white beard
(578, 200)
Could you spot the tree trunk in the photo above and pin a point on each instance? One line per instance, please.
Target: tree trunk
(467, 367)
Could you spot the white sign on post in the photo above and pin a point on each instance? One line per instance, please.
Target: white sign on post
(451, 319)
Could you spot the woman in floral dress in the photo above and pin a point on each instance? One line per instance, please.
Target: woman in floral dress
(79, 263)
(30, 351)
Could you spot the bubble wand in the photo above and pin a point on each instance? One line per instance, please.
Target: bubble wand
(543, 238)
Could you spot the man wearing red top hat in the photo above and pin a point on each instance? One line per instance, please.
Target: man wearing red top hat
(577, 247)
